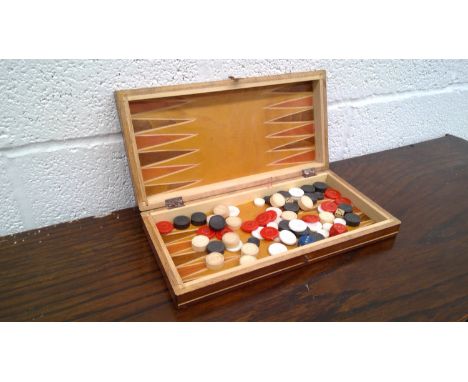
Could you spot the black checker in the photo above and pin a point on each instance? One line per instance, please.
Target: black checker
(217, 223)
(198, 218)
(291, 206)
(352, 220)
(320, 186)
(215, 246)
(253, 240)
(181, 222)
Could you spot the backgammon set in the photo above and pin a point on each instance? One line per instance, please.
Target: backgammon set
(233, 183)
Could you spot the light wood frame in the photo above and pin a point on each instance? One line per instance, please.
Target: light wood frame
(385, 226)
(246, 188)
(146, 203)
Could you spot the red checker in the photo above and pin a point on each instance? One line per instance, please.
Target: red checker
(164, 226)
(249, 226)
(265, 217)
(331, 193)
(206, 231)
(311, 218)
(337, 229)
(329, 206)
(269, 233)
(343, 200)
(273, 215)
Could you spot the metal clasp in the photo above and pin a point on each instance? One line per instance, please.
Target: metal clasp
(174, 202)
(308, 172)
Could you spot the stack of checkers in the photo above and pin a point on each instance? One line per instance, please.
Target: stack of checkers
(296, 217)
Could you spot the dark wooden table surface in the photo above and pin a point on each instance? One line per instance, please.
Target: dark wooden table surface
(102, 269)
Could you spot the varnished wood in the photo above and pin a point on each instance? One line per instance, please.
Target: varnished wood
(223, 85)
(199, 282)
(195, 126)
(227, 139)
(130, 147)
(321, 119)
(191, 264)
(103, 269)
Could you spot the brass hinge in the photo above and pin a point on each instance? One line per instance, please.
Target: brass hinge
(308, 172)
(174, 202)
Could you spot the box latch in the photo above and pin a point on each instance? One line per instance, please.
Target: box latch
(174, 202)
(308, 172)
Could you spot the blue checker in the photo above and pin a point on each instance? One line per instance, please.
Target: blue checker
(309, 239)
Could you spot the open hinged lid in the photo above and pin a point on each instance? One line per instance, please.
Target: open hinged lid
(199, 140)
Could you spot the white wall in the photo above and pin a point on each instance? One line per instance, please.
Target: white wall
(61, 150)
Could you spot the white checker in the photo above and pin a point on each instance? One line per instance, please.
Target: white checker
(233, 211)
(297, 225)
(326, 217)
(306, 203)
(296, 192)
(247, 260)
(327, 226)
(234, 222)
(314, 227)
(236, 248)
(259, 202)
(277, 249)
(199, 243)
(287, 237)
(339, 221)
(249, 249)
(288, 215)
(214, 261)
(324, 233)
(272, 224)
(277, 200)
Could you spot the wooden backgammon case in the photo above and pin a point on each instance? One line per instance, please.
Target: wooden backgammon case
(192, 147)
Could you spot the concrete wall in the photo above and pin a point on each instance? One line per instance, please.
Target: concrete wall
(61, 149)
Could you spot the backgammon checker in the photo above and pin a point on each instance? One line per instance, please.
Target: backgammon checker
(248, 156)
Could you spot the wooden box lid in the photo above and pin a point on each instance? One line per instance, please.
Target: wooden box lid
(199, 140)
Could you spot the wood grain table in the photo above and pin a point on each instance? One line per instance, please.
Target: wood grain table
(102, 269)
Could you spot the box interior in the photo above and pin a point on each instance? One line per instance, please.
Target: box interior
(190, 265)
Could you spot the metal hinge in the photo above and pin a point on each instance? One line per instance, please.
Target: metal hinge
(308, 172)
(174, 202)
